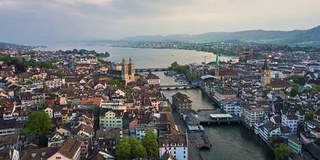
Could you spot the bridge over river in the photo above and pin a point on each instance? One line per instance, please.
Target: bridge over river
(177, 87)
(150, 69)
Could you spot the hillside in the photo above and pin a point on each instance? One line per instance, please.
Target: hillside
(295, 36)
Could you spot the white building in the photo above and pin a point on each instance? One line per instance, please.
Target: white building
(49, 111)
(152, 79)
(252, 115)
(177, 145)
(231, 108)
(290, 121)
(55, 83)
(268, 130)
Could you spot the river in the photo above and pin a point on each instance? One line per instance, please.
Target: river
(230, 142)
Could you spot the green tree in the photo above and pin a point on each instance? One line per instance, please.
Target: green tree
(114, 82)
(137, 149)
(308, 116)
(295, 78)
(281, 151)
(61, 74)
(295, 90)
(38, 123)
(150, 143)
(123, 149)
(130, 148)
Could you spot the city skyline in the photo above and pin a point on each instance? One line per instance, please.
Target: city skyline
(44, 21)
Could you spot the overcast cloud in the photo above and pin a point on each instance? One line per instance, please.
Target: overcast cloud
(47, 21)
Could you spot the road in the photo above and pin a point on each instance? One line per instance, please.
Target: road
(193, 152)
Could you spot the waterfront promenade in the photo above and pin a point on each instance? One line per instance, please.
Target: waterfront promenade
(193, 151)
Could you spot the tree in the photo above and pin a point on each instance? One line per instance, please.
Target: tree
(114, 82)
(296, 78)
(137, 149)
(281, 151)
(123, 149)
(130, 148)
(38, 123)
(308, 116)
(150, 143)
(295, 90)
(61, 74)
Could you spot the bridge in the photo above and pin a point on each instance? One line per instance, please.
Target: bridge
(215, 116)
(176, 87)
(150, 69)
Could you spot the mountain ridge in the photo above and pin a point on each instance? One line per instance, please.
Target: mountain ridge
(259, 35)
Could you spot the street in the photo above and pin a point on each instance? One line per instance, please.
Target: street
(193, 152)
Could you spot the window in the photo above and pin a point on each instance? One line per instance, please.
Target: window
(58, 157)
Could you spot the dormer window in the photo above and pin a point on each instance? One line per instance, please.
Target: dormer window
(173, 144)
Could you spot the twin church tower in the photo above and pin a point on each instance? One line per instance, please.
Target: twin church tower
(127, 71)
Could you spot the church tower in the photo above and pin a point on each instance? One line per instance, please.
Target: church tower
(124, 71)
(132, 71)
(217, 69)
(266, 73)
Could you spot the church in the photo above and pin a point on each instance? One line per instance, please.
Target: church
(127, 71)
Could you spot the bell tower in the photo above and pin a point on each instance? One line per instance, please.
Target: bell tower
(124, 70)
(216, 68)
(266, 73)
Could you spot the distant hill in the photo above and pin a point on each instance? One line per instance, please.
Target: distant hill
(295, 36)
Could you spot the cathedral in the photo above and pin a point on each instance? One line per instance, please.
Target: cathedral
(127, 71)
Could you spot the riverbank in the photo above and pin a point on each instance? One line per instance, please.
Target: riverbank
(250, 129)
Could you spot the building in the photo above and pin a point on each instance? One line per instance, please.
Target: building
(252, 115)
(128, 71)
(142, 130)
(70, 150)
(177, 145)
(268, 130)
(8, 127)
(231, 108)
(152, 79)
(290, 121)
(294, 144)
(111, 118)
(55, 83)
(224, 93)
(181, 102)
(316, 115)
(266, 74)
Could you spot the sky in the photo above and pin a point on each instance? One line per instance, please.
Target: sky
(52, 21)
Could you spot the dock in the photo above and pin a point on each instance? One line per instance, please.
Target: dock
(200, 139)
(211, 116)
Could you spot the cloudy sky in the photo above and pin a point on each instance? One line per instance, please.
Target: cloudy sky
(47, 21)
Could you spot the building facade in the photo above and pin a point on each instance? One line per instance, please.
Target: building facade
(181, 102)
(290, 121)
(111, 119)
(177, 145)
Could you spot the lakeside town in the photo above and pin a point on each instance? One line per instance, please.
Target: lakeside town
(95, 107)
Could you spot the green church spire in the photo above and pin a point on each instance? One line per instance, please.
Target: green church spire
(217, 60)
